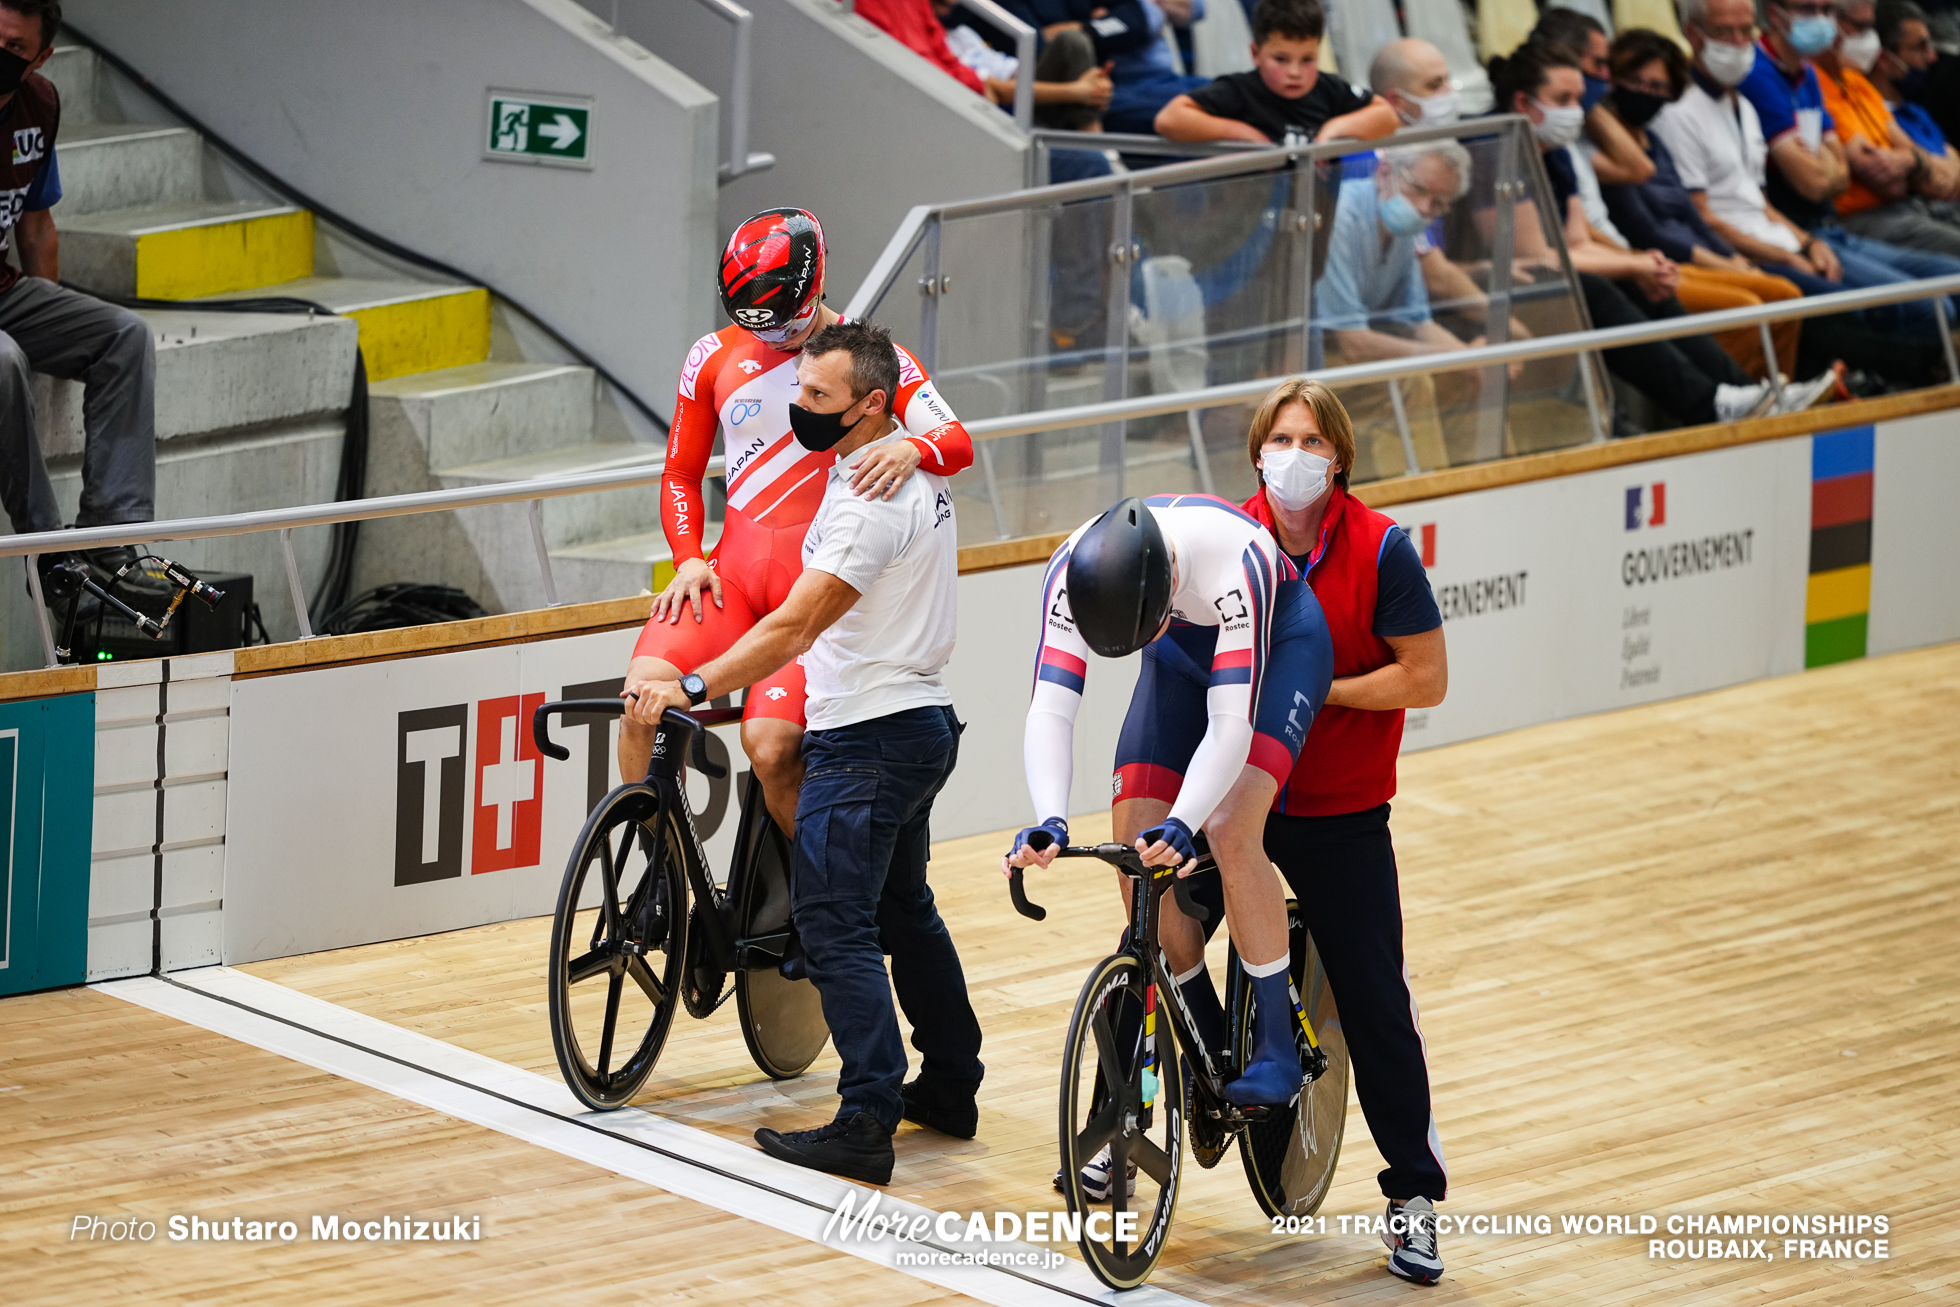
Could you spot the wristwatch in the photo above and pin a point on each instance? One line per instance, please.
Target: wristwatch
(695, 688)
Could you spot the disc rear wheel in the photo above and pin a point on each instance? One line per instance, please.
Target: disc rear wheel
(616, 949)
(782, 1019)
(1114, 1098)
(1290, 1156)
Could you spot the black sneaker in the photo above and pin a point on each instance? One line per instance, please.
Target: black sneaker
(857, 1149)
(949, 1109)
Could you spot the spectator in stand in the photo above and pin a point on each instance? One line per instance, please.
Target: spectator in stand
(1718, 146)
(1650, 73)
(1413, 78)
(45, 327)
(1128, 39)
(1066, 77)
(1808, 167)
(1689, 377)
(1890, 174)
(913, 25)
(1285, 98)
(1605, 153)
(1372, 301)
(1905, 53)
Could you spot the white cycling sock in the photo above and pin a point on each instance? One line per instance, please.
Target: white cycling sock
(1260, 970)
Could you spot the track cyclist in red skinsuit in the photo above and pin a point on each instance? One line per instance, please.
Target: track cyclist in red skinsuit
(741, 382)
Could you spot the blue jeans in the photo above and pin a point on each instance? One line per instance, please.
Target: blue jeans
(860, 892)
(1874, 263)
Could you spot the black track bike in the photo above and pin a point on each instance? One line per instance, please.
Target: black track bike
(628, 947)
(1134, 1071)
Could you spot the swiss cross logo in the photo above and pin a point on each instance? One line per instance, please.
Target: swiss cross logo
(1647, 505)
(506, 828)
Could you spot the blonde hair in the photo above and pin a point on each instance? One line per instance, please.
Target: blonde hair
(1328, 416)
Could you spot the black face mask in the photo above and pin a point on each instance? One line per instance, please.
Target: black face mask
(1637, 108)
(817, 432)
(13, 70)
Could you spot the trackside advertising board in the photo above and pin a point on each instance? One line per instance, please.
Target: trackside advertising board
(399, 798)
(402, 798)
(47, 783)
(1614, 588)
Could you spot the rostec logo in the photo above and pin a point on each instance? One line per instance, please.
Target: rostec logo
(508, 823)
(430, 786)
(1647, 505)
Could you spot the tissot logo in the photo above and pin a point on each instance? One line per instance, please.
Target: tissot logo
(429, 790)
(509, 816)
(493, 789)
(1647, 505)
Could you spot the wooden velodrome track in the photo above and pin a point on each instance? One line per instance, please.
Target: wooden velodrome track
(1695, 957)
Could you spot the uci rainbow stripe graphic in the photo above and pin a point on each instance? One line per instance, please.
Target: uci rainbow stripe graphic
(1837, 598)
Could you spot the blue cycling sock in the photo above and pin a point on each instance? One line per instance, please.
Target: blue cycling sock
(1207, 1013)
(1272, 1076)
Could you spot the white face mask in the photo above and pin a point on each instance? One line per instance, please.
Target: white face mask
(1437, 110)
(1860, 51)
(1294, 477)
(1560, 126)
(1727, 64)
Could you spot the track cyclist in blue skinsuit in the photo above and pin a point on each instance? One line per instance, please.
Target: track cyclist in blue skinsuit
(1236, 662)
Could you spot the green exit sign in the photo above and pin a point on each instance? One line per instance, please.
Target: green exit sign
(525, 128)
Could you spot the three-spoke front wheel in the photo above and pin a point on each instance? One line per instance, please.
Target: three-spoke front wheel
(1121, 1110)
(616, 946)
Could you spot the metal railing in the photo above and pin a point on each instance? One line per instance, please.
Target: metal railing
(1024, 46)
(740, 161)
(534, 492)
(1046, 140)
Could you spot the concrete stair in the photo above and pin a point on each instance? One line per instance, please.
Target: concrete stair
(251, 407)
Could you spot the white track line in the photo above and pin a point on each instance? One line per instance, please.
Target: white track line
(632, 1142)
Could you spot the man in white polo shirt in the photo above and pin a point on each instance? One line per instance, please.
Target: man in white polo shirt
(873, 618)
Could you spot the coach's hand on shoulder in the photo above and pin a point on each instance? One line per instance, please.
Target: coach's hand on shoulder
(1037, 846)
(882, 469)
(685, 589)
(646, 700)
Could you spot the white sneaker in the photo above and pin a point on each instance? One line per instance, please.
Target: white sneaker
(1411, 1240)
(1798, 396)
(1734, 403)
(1095, 1178)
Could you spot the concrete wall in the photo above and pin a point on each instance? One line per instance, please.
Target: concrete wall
(861, 127)
(377, 108)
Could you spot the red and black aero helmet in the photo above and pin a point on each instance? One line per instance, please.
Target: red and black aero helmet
(772, 270)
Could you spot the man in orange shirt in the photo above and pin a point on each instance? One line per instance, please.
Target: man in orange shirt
(1890, 173)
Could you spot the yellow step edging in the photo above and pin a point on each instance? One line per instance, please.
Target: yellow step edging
(424, 334)
(213, 258)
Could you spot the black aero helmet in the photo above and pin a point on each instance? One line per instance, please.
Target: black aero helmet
(772, 270)
(1119, 580)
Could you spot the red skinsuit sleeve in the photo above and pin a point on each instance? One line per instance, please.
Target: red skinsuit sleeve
(683, 507)
(930, 424)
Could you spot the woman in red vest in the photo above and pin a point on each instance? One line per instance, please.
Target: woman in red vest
(1328, 832)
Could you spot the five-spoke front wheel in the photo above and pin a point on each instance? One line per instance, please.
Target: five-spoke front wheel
(1116, 1097)
(616, 945)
